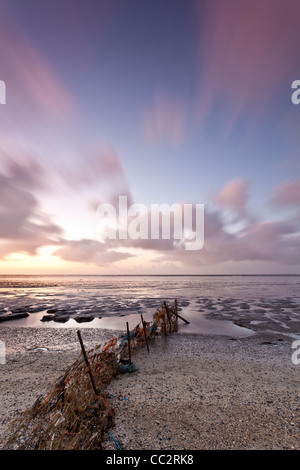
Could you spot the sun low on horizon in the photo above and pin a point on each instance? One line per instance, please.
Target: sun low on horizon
(164, 103)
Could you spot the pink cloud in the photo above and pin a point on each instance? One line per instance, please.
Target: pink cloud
(266, 241)
(31, 81)
(247, 54)
(166, 120)
(234, 195)
(272, 243)
(24, 227)
(287, 193)
(97, 170)
(89, 252)
(275, 242)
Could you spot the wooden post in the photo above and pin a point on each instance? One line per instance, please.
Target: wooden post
(146, 339)
(165, 326)
(176, 313)
(87, 363)
(168, 315)
(186, 321)
(128, 340)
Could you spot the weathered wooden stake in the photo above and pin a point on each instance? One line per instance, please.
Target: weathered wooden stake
(176, 312)
(165, 326)
(128, 339)
(146, 339)
(186, 321)
(168, 315)
(87, 363)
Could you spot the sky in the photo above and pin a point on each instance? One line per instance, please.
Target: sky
(162, 101)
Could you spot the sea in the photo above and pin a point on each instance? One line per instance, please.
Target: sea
(211, 304)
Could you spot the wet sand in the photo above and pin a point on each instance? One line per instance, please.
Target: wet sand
(190, 392)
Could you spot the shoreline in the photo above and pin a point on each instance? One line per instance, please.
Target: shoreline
(190, 392)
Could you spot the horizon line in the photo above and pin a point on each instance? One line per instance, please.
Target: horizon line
(157, 274)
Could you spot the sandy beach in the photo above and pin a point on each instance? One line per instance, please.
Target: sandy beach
(190, 392)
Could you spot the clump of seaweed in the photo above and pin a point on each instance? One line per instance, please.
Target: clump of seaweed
(76, 413)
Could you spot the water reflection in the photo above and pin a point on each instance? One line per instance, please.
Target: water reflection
(123, 298)
(198, 323)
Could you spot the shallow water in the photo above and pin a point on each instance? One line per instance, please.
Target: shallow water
(210, 303)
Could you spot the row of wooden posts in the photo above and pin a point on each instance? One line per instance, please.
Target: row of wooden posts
(128, 340)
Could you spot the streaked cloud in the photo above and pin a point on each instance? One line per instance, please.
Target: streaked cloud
(24, 226)
(166, 120)
(272, 242)
(234, 196)
(26, 182)
(34, 87)
(57, 165)
(89, 252)
(241, 45)
(287, 194)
